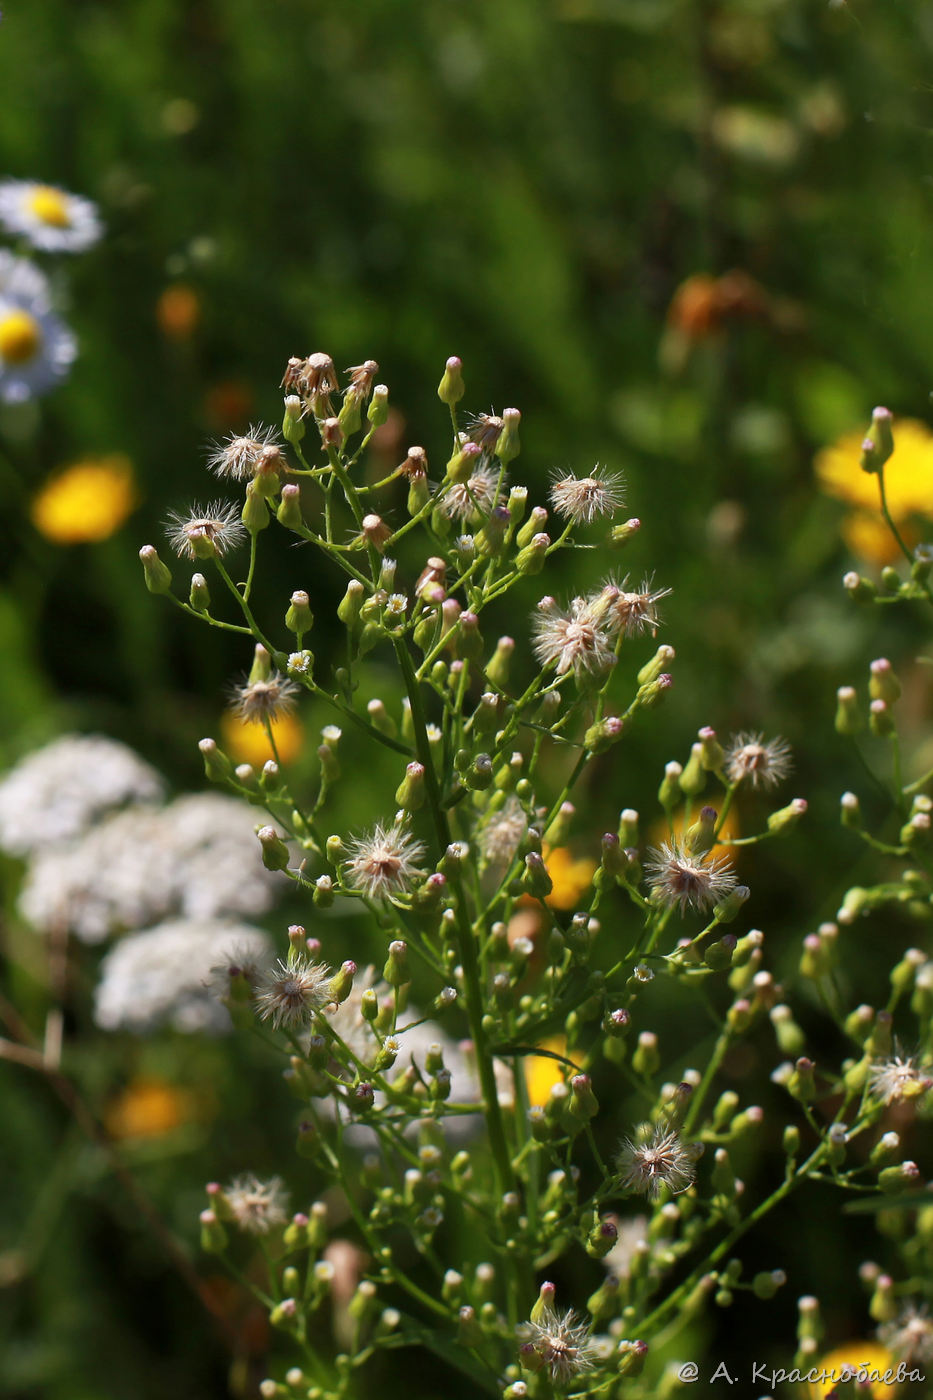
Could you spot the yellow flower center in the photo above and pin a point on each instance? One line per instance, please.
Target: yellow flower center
(49, 206)
(20, 337)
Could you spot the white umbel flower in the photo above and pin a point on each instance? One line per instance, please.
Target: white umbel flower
(56, 793)
(162, 977)
(36, 347)
(49, 218)
(194, 858)
(664, 1160)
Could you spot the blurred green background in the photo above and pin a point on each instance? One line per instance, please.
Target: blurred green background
(688, 239)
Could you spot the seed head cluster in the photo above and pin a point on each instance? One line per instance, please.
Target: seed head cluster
(762, 765)
(291, 992)
(687, 881)
(257, 1207)
(385, 862)
(664, 1160)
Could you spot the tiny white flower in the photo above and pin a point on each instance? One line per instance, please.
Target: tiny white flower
(50, 218)
(910, 1335)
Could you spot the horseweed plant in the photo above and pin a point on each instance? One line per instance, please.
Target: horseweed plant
(464, 875)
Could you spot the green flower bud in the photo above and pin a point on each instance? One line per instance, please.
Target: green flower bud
(378, 411)
(693, 777)
(727, 909)
(792, 1140)
(289, 510)
(766, 1284)
(878, 444)
(274, 849)
(655, 667)
(601, 736)
(532, 559)
(535, 879)
(199, 597)
(397, 971)
(452, 388)
(293, 427)
(462, 464)
(646, 1058)
(410, 793)
(217, 766)
(883, 683)
(601, 1239)
(255, 512)
(509, 445)
(298, 617)
(786, 817)
(157, 575)
(848, 715)
(880, 719)
(790, 1037)
(722, 1175)
(341, 984)
(801, 1084)
(534, 525)
(700, 836)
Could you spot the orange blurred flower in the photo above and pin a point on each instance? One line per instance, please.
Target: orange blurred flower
(148, 1108)
(249, 743)
(86, 502)
(229, 404)
(178, 311)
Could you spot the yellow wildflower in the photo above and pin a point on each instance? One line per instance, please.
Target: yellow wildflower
(871, 1356)
(571, 877)
(908, 475)
(85, 502)
(870, 539)
(249, 743)
(542, 1073)
(148, 1108)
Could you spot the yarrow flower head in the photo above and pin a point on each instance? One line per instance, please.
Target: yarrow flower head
(678, 877)
(750, 759)
(576, 638)
(240, 456)
(636, 610)
(584, 498)
(385, 861)
(472, 498)
(909, 1336)
(664, 1160)
(36, 347)
(50, 218)
(206, 531)
(257, 1207)
(557, 1342)
(290, 993)
(265, 700)
(899, 1077)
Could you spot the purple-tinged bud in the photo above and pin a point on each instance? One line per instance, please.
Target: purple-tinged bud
(452, 388)
(621, 534)
(274, 849)
(534, 525)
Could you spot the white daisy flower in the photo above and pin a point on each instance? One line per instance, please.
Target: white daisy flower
(50, 218)
(36, 347)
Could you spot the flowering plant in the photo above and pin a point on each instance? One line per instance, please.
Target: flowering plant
(539, 973)
(461, 852)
